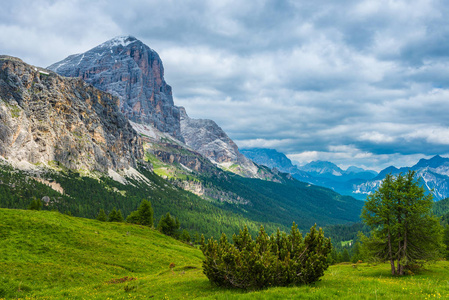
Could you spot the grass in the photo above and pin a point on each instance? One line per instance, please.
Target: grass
(164, 169)
(48, 255)
(346, 243)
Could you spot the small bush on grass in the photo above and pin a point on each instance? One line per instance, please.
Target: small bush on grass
(278, 260)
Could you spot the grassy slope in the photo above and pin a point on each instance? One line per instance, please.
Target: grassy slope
(52, 256)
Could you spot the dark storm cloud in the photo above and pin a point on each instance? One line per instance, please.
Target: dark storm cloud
(354, 82)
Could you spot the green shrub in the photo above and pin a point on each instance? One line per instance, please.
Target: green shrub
(278, 260)
(36, 204)
(102, 216)
(169, 225)
(115, 216)
(143, 215)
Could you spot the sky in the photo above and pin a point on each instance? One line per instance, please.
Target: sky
(363, 83)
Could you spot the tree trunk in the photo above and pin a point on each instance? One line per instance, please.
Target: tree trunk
(390, 254)
(404, 249)
(400, 267)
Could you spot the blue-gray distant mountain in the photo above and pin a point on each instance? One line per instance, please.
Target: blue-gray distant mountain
(321, 173)
(326, 169)
(322, 169)
(273, 159)
(433, 174)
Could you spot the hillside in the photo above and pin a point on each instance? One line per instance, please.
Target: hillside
(47, 255)
(84, 196)
(243, 201)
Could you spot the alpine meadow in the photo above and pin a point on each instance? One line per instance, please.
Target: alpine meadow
(224, 149)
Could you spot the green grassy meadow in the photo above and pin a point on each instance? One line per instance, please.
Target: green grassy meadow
(48, 255)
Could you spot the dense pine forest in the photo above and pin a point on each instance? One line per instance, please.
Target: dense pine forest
(85, 197)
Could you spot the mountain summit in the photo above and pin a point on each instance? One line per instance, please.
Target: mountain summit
(127, 68)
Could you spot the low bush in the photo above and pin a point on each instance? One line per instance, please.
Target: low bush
(278, 260)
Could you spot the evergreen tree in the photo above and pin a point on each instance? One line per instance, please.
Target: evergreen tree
(146, 213)
(169, 225)
(333, 257)
(143, 215)
(36, 204)
(446, 241)
(185, 236)
(133, 217)
(345, 255)
(102, 216)
(115, 216)
(356, 252)
(403, 229)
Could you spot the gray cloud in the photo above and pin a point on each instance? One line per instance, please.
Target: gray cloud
(354, 82)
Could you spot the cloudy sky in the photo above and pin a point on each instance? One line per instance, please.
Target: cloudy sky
(362, 83)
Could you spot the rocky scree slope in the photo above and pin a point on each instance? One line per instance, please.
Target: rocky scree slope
(45, 117)
(206, 137)
(130, 70)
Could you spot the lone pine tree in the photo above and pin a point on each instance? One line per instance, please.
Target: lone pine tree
(403, 229)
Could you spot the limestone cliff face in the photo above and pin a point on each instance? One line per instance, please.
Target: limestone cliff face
(130, 70)
(206, 137)
(45, 117)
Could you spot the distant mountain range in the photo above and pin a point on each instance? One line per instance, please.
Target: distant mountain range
(357, 182)
(433, 173)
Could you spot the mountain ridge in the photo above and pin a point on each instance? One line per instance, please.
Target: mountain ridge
(433, 174)
(124, 66)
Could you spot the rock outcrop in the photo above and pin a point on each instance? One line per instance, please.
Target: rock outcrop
(45, 117)
(206, 137)
(130, 70)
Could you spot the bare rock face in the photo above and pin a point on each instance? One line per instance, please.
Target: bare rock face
(206, 137)
(130, 70)
(45, 117)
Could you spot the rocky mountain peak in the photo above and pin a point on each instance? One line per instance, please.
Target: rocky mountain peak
(322, 167)
(130, 70)
(123, 41)
(49, 118)
(127, 68)
(434, 162)
(271, 158)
